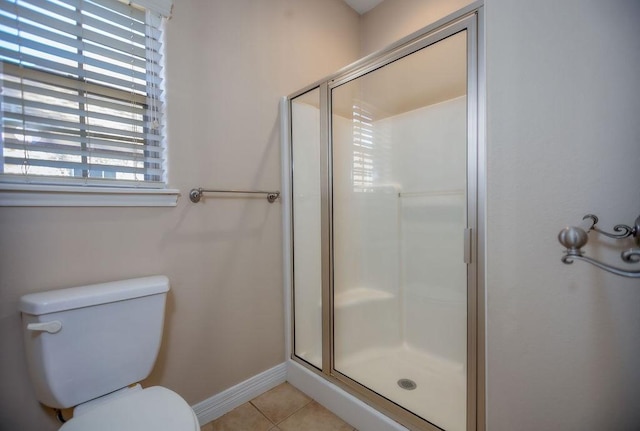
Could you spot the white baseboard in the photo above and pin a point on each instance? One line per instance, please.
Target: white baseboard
(350, 409)
(340, 402)
(227, 400)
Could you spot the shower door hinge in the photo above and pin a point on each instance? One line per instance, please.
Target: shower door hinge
(467, 246)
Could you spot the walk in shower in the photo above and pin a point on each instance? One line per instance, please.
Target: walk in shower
(383, 171)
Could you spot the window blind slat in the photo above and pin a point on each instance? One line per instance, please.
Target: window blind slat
(63, 164)
(47, 109)
(85, 139)
(31, 121)
(90, 5)
(73, 29)
(128, 17)
(86, 136)
(123, 27)
(75, 72)
(22, 128)
(50, 148)
(76, 43)
(48, 50)
(124, 106)
(22, 74)
(76, 10)
(116, 6)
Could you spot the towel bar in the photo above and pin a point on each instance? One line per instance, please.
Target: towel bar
(196, 194)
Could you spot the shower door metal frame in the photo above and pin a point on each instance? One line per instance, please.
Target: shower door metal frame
(470, 19)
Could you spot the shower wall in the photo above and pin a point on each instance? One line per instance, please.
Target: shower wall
(372, 277)
(434, 315)
(366, 232)
(305, 118)
(382, 282)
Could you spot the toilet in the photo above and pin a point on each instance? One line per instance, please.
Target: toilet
(88, 347)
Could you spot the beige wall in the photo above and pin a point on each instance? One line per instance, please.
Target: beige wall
(394, 19)
(562, 104)
(563, 141)
(229, 62)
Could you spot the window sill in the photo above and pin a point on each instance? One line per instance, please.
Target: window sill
(29, 195)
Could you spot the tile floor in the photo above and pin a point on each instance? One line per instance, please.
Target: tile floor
(283, 408)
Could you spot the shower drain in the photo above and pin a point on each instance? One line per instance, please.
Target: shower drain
(407, 384)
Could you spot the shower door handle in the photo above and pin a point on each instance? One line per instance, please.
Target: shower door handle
(467, 245)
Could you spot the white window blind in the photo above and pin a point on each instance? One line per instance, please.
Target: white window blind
(81, 94)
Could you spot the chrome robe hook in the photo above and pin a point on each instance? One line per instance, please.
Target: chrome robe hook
(575, 237)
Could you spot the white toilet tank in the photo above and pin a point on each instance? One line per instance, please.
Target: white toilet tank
(85, 342)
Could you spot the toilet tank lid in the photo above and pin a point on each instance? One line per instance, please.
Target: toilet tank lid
(53, 301)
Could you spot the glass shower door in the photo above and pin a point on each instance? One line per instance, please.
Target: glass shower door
(399, 218)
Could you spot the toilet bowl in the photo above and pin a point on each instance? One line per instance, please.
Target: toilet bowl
(87, 347)
(155, 408)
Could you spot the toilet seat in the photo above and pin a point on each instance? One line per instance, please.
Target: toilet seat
(152, 409)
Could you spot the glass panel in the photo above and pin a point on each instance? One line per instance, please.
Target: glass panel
(399, 213)
(307, 277)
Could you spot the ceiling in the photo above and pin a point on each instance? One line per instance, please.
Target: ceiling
(362, 6)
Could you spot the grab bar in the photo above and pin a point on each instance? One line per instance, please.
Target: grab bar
(196, 194)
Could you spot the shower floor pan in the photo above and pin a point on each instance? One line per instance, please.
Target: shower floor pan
(440, 392)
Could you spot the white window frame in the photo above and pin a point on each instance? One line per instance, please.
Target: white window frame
(55, 192)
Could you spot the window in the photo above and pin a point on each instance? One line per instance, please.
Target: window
(81, 99)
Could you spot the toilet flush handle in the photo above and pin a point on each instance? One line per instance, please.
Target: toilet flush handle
(50, 327)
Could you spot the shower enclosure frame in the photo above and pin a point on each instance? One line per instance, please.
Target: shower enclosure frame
(470, 19)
